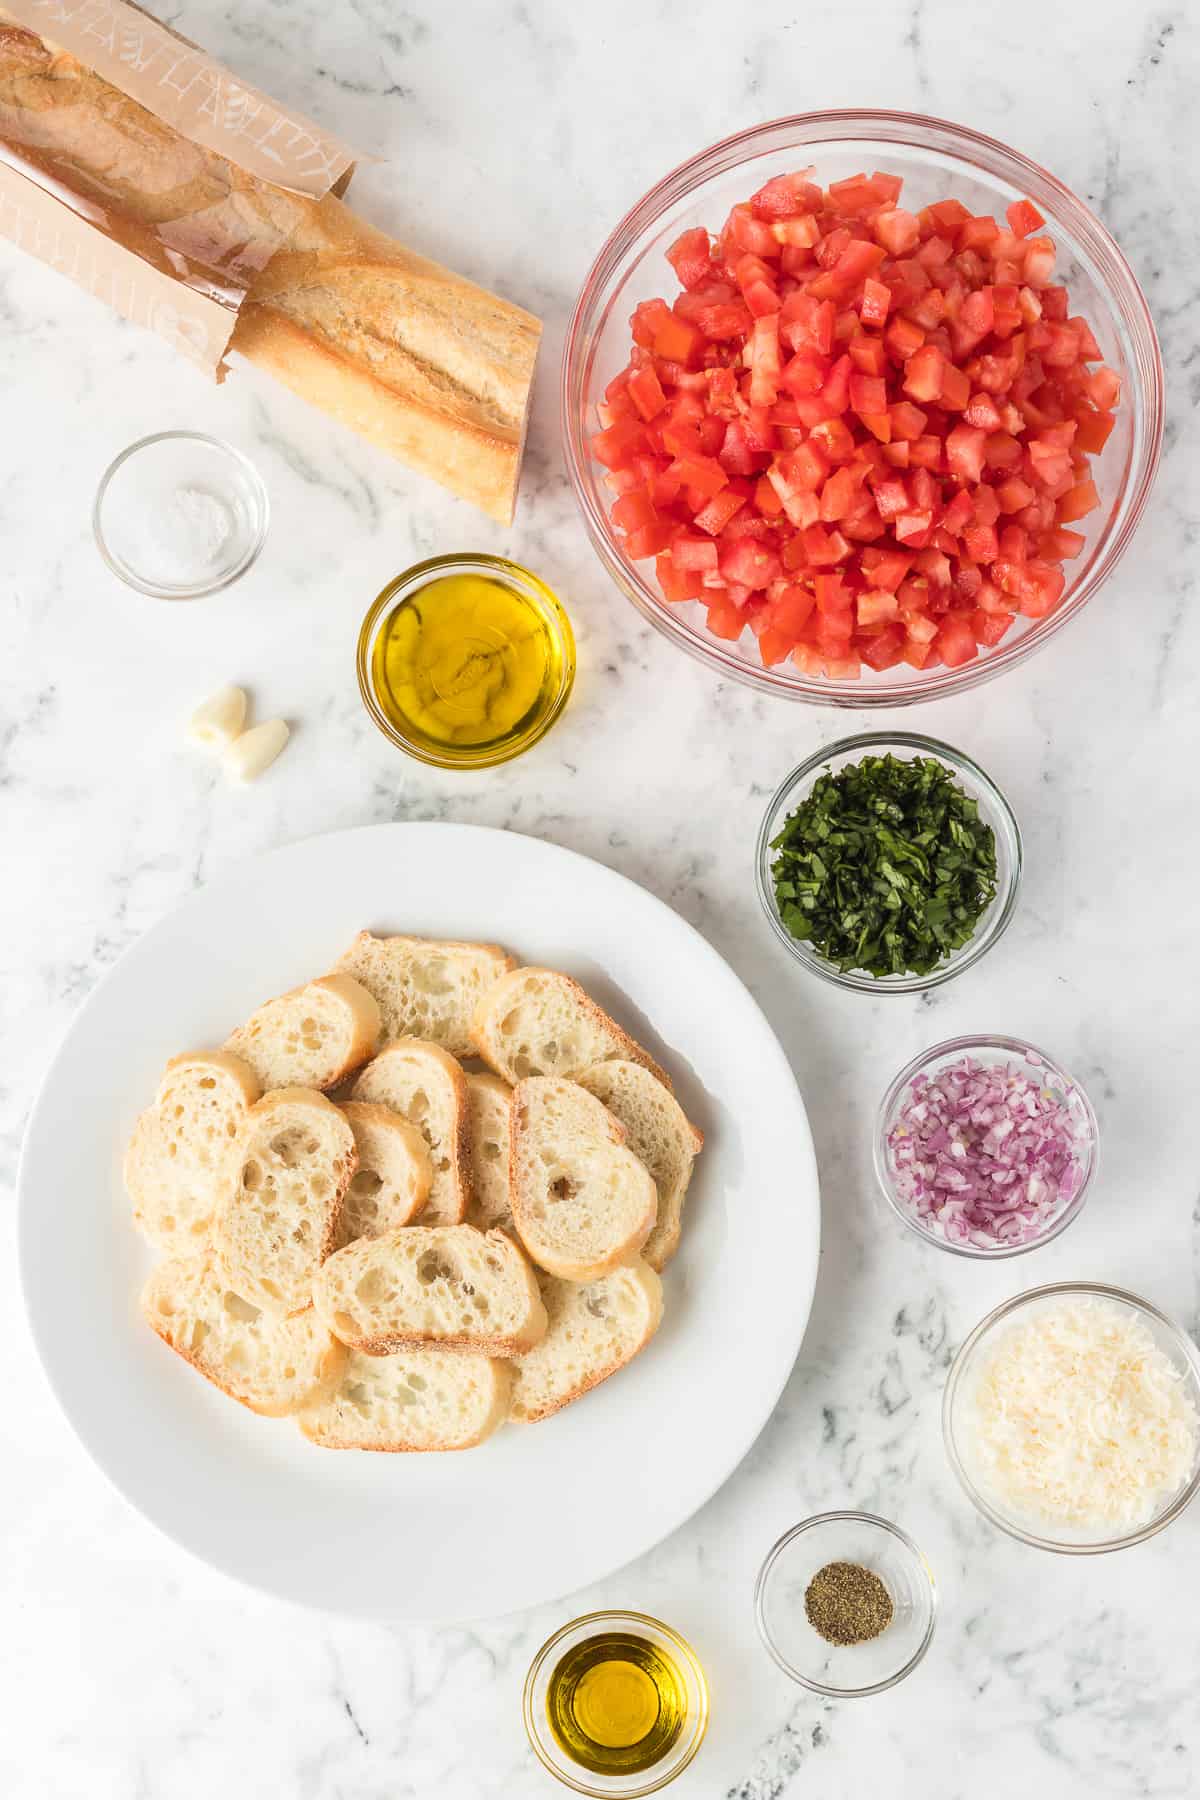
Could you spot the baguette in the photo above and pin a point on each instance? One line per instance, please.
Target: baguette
(443, 1287)
(421, 362)
(391, 1183)
(314, 1036)
(660, 1135)
(278, 1219)
(540, 1022)
(175, 1162)
(582, 1203)
(424, 1084)
(425, 987)
(412, 1400)
(595, 1328)
(273, 1366)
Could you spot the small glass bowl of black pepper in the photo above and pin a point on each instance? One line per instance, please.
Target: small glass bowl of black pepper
(845, 1603)
(977, 823)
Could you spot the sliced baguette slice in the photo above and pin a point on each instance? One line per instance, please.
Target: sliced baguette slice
(181, 1144)
(538, 1022)
(595, 1328)
(273, 1366)
(411, 1400)
(440, 1287)
(659, 1134)
(278, 1220)
(489, 1125)
(391, 1183)
(426, 987)
(312, 1037)
(582, 1202)
(425, 1085)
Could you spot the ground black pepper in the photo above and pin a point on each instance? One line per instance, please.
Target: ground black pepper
(847, 1604)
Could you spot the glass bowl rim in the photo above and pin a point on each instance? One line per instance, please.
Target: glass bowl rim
(976, 947)
(949, 1047)
(610, 1616)
(1188, 1355)
(839, 1516)
(194, 590)
(515, 575)
(842, 124)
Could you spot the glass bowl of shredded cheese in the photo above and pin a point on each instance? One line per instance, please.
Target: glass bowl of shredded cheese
(1072, 1418)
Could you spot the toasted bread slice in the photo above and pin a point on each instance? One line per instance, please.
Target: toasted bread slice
(442, 1287)
(312, 1037)
(582, 1202)
(278, 1219)
(659, 1134)
(273, 1366)
(425, 1085)
(595, 1328)
(391, 1183)
(489, 1123)
(426, 987)
(538, 1022)
(411, 1400)
(181, 1145)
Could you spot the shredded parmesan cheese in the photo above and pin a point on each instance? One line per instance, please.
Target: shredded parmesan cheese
(1081, 1420)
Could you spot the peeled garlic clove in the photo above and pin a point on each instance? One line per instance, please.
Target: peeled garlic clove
(255, 750)
(216, 723)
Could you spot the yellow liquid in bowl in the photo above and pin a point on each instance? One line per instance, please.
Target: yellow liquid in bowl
(616, 1703)
(466, 664)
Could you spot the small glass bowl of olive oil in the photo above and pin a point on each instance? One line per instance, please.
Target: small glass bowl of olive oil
(616, 1703)
(465, 661)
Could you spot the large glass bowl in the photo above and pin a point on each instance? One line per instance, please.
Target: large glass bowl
(957, 1406)
(937, 160)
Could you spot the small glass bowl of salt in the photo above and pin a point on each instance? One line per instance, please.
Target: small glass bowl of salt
(179, 515)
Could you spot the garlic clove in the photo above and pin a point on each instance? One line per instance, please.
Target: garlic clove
(218, 720)
(255, 750)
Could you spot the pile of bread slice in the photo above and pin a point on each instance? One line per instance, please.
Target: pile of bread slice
(401, 1251)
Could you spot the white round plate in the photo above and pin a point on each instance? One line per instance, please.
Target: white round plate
(541, 1509)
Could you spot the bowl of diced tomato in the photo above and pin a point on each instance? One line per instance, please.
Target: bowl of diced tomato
(861, 408)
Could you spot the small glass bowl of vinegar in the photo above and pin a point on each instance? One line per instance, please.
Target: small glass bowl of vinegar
(465, 661)
(616, 1703)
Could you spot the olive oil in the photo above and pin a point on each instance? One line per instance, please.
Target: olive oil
(468, 668)
(616, 1703)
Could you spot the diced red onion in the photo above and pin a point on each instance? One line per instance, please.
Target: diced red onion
(985, 1155)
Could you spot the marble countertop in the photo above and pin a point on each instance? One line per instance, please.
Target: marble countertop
(512, 136)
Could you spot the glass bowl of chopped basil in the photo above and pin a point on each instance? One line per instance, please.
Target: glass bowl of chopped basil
(888, 862)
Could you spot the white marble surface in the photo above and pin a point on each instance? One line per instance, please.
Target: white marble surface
(513, 134)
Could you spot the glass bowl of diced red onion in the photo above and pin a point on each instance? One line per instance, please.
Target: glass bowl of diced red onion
(986, 1147)
(854, 576)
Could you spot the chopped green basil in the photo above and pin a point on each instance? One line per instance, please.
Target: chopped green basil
(886, 866)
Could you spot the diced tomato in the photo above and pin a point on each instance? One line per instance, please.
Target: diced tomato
(989, 627)
(964, 453)
(897, 231)
(785, 195)
(868, 393)
(923, 374)
(875, 303)
(1023, 217)
(1077, 502)
(645, 390)
(690, 257)
(956, 641)
(718, 512)
(614, 446)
